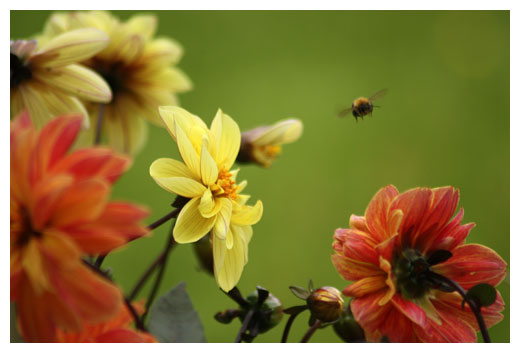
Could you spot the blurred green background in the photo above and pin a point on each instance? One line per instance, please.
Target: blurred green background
(444, 121)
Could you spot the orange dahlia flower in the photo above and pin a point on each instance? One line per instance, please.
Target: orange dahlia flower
(116, 330)
(59, 213)
(387, 252)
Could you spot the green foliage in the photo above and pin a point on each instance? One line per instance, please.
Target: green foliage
(174, 320)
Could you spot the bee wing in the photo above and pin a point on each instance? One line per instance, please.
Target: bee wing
(344, 112)
(378, 94)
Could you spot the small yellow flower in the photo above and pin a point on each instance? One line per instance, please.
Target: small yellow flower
(216, 204)
(139, 68)
(263, 144)
(48, 81)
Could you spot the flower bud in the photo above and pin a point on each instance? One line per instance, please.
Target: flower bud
(263, 144)
(347, 327)
(326, 304)
(271, 311)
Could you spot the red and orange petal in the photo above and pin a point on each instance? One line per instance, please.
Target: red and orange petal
(78, 296)
(116, 330)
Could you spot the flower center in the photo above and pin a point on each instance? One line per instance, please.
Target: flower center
(21, 227)
(114, 73)
(225, 185)
(272, 151)
(19, 71)
(411, 272)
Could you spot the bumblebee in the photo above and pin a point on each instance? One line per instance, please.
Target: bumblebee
(363, 106)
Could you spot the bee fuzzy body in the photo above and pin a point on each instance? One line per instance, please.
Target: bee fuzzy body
(361, 107)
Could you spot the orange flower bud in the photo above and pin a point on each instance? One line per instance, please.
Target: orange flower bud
(326, 304)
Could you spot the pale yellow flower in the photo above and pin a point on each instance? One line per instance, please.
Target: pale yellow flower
(47, 81)
(263, 144)
(216, 205)
(140, 69)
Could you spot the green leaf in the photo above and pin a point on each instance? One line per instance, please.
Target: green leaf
(174, 320)
(483, 294)
(300, 292)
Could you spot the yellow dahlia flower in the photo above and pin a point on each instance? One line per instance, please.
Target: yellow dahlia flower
(47, 81)
(216, 205)
(263, 144)
(139, 68)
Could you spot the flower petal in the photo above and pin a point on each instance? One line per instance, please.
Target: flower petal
(208, 167)
(187, 151)
(79, 81)
(82, 202)
(225, 135)
(285, 131)
(71, 47)
(414, 204)
(365, 286)
(377, 212)
(223, 219)
(472, 264)
(183, 118)
(56, 138)
(233, 265)
(175, 177)
(411, 310)
(369, 314)
(248, 215)
(190, 225)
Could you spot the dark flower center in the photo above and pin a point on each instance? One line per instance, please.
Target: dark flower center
(21, 227)
(413, 275)
(19, 71)
(114, 73)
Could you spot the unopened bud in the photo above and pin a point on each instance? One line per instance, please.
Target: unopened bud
(347, 327)
(326, 304)
(271, 311)
(263, 144)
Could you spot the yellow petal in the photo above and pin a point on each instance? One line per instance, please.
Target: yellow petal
(232, 268)
(208, 167)
(176, 80)
(223, 219)
(162, 52)
(243, 234)
(225, 136)
(175, 177)
(285, 131)
(44, 102)
(77, 80)
(241, 186)
(125, 132)
(71, 47)
(209, 206)
(183, 118)
(34, 267)
(207, 203)
(187, 151)
(219, 254)
(190, 225)
(248, 215)
(144, 25)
